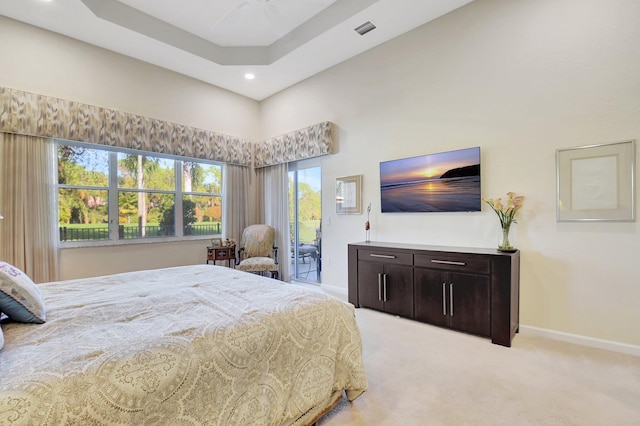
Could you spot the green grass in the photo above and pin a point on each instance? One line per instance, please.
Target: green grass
(307, 230)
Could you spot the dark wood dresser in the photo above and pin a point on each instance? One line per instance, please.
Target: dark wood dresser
(473, 290)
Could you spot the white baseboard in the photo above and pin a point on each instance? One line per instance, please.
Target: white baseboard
(592, 342)
(339, 292)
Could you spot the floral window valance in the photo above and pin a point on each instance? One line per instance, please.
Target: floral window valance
(305, 143)
(44, 116)
(38, 115)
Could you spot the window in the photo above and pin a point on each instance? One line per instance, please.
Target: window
(118, 195)
(83, 193)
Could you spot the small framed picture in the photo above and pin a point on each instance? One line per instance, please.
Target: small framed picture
(348, 198)
(216, 242)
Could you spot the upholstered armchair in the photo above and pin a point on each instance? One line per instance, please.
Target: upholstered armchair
(257, 252)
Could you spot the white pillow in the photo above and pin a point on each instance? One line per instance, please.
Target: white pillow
(1, 339)
(20, 298)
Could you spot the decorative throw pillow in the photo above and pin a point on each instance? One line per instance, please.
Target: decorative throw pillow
(1, 339)
(20, 298)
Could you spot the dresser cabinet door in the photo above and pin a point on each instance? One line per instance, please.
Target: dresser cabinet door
(470, 303)
(449, 299)
(369, 288)
(397, 290)
(431, 304)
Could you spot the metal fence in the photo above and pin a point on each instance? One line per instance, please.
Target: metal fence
(203, 229)
(126, 232)
(83, 234)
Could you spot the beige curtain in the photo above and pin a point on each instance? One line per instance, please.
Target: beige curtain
(238, 211)
(272, 183)
(29, 231)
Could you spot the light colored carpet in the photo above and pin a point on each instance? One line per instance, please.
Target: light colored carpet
(424, 375)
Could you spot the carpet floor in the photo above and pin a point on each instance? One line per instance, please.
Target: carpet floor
(424, 375)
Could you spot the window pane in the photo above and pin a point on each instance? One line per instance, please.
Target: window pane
(145, 215)
(201, 177)
(83, 214)
(145, 172)
(82, 166)
(202, 215)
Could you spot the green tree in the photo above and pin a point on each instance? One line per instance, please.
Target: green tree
(86, 167)
(138, 167)
(309, 207)
(168, 221)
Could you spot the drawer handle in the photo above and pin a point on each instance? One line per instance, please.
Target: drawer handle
(448, 262)
(385, 256)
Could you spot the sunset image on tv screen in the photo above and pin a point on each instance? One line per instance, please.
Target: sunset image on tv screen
(444, 182)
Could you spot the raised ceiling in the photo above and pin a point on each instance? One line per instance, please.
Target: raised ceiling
(281, 42)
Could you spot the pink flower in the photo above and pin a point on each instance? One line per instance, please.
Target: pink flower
(506, 214)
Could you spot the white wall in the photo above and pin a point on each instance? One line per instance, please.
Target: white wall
(42, 62)
(520, 79)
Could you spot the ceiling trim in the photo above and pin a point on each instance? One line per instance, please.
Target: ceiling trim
(135, 20)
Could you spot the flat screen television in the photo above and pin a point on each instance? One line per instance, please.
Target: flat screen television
(443, 182)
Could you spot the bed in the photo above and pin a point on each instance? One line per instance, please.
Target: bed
(190, 345)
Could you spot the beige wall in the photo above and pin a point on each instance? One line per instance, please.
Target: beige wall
(520, 79)
(42, 62)
(89, 262)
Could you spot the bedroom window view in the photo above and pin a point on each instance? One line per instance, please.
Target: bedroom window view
(152, 197)
(146, 196)
(305, 210)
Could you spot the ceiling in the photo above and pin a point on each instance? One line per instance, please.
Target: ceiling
(281, 42)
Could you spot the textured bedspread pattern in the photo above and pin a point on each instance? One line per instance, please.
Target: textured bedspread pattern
(182, 346)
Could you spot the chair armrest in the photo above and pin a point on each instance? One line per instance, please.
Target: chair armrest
(239, 256)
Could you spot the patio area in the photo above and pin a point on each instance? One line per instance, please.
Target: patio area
(308, 263)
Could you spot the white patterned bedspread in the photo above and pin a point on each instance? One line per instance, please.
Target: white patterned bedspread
(189, 345)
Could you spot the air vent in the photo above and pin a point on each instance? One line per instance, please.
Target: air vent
(365, 28)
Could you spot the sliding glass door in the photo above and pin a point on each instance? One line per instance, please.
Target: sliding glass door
(305, 210)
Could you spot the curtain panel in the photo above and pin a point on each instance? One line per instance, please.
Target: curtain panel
(29, 232)
(273, 209)
(238, 210)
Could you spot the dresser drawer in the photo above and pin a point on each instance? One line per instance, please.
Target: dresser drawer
(453, 262)
(386, 257)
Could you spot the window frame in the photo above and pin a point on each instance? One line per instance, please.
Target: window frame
(113, 197)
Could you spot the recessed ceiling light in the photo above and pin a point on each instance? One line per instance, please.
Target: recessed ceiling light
(249, 76)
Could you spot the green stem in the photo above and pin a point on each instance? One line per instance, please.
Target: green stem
(505, 244)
